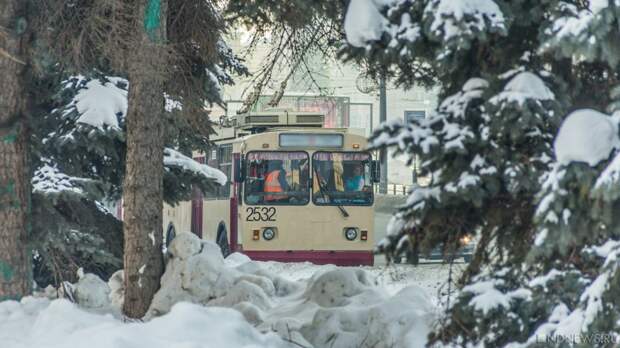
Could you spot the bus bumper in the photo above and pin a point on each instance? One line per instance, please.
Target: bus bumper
(339, 258)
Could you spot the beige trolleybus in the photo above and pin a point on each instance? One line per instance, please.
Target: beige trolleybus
(296, 192)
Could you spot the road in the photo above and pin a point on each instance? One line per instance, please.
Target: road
(385, 206)
(381, 221)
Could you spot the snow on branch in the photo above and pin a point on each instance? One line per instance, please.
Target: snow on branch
(564, 321)
(488, 295)
(99, 103)
(586, 136)
(456, 22)
(173, 158)
(363, 23)
(443, 127)
(49, 180)
(584, 33)
(523, 86)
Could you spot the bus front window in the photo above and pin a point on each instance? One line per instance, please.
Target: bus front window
(341, 178)
(277, 178)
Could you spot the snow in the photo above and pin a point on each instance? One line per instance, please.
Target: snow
(100, 103)
(475, 83)
(395, 225)
(487, 295)
(407, 30)
(419, 195)
(610, 176)
(453, 18)
(363, 22)
(456, 104)
(523, 86)
(586, 136)
(567, 323)
(208, 301)
(605, 251)
(392, 278)
(578, 23)
(61, 324)
(48, 179)
(171, 104)
(117, 290)
(551, 183)
(91, 292)
(173, 158)
(544, 279)
(343, 303)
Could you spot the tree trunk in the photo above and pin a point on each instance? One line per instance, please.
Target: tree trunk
(15, 263)
(143, 185)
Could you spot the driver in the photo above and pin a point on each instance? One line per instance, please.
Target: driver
(355, 181)
(275, 182)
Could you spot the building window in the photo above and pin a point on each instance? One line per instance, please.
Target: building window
(411, 115)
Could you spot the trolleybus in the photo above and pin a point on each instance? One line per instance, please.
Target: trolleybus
(297, 192)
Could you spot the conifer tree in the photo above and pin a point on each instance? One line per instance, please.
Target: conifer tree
(15, 273)
(539, 197)
(188, 66)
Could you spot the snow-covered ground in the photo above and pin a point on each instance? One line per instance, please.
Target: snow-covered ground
(430, 276)
(206, 301)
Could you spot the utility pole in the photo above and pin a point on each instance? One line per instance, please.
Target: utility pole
(382, 118)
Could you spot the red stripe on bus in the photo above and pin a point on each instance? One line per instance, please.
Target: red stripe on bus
(234, 205)
(339, 258)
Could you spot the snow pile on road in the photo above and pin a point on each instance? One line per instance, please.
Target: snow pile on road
(336, 307)
(208, 301)
(37, 322)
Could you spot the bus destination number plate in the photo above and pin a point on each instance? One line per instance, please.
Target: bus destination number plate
(261, 214)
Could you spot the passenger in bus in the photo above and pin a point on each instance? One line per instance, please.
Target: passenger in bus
(275, 182)
(355, 180)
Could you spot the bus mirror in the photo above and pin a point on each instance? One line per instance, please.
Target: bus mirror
(239, 170)
(375, 171)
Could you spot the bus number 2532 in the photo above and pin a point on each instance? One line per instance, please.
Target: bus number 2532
(261, 214)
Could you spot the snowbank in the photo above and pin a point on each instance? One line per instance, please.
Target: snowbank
(340, 304)
(61, 324)
(208, 301)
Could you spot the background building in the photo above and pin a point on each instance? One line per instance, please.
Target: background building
(348, 98)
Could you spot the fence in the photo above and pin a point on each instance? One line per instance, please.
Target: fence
(399, 189)
(396, 189)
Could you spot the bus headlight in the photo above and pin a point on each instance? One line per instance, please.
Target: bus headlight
(269, 233)
(350, 233)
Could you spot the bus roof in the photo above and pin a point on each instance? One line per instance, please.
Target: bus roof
(315, 140)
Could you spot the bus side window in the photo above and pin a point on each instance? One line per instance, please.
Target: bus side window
(225, 165)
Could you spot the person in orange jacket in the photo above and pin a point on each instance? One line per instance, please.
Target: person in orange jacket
(275, 182)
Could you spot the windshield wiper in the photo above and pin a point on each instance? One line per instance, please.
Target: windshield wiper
(325, 195)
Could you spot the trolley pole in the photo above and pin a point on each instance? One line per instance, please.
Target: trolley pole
(382, 118)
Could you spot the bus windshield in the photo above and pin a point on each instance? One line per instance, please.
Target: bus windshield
(341, 178)
(277, 178)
